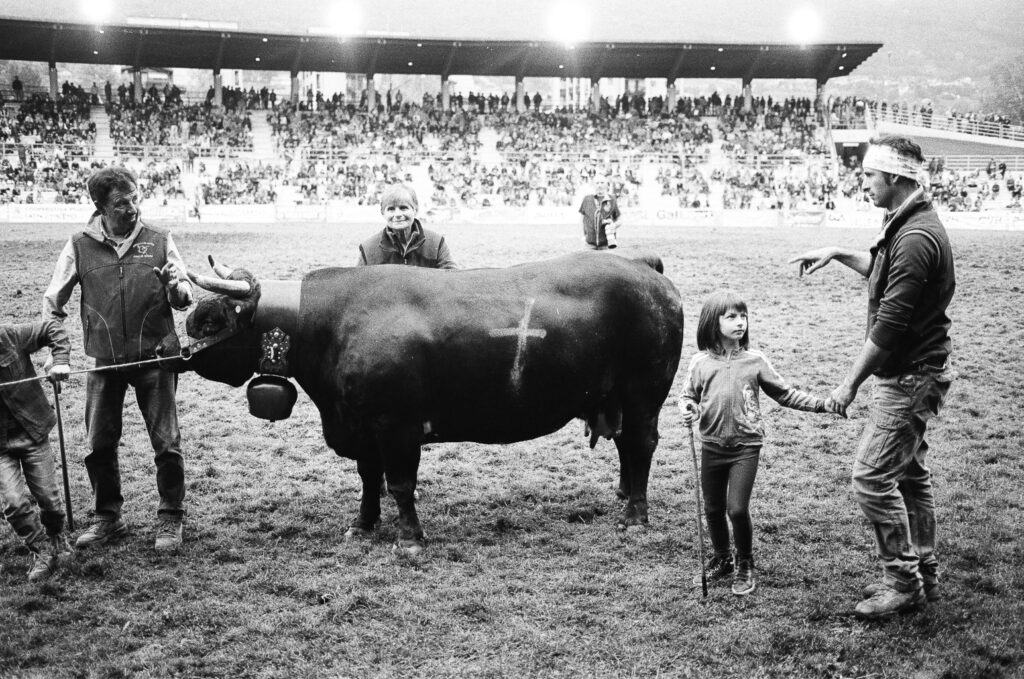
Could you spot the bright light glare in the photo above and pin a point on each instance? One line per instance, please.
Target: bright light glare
(344, 18)
(569, 22)
(96, 11)
(804, 25)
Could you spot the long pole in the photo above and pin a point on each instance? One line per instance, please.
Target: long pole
(700, 515)
(63, 455)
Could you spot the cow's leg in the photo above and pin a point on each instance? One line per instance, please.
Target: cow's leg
(400, 447)
(622, 492)
(371, 472)
(636, 447)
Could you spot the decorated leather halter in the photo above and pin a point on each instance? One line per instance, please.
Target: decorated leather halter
(277, 318)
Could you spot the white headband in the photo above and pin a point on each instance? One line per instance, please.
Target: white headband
(885, 159)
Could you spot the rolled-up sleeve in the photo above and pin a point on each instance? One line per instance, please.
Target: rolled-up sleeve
(65, 278)
(179, 296)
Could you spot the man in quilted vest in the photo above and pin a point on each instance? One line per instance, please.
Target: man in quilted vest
(131, 275)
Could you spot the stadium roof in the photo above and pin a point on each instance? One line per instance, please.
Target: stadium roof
(142, 45)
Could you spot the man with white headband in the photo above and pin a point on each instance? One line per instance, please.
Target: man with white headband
(910, 284)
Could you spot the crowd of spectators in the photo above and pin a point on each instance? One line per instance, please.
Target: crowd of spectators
(563, 132)
(38, 118)
(852, 111)
(236, 182)
(336, 128)
(152, 123)
(768, 155)
(532, 181)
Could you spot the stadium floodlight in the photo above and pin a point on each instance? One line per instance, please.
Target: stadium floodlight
(344, 17)
(805, 25)
(96, 11)
(569, 23)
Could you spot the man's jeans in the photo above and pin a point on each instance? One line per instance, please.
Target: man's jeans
(890, 479)
(27, 470)
(104, 406)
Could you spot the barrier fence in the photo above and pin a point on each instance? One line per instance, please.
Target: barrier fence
(177, 214)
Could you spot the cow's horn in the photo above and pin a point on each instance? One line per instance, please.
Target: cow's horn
(231, 288)
(220, 269)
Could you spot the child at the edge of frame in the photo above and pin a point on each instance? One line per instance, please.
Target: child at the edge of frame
(721, 391)
(27, 469)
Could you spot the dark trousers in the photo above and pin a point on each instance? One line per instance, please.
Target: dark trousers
(727, 480)
(154, 391)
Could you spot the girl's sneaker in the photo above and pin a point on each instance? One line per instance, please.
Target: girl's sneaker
(745, 580)
(719, 567)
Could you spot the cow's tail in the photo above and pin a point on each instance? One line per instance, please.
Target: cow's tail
(653, 261)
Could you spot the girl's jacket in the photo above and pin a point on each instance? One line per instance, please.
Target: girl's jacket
(726, 389)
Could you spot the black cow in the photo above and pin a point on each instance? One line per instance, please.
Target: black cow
(395, 357)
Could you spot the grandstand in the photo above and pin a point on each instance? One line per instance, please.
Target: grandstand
(662, 153)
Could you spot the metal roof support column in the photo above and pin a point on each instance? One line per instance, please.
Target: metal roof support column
(293, 96)
(445, 94)
(595, 95)
(520, 90)
(53, 80)
(218, 92)
(371, 94)
(137, 79)
(747, 95)
(819, 94)
(671, 95)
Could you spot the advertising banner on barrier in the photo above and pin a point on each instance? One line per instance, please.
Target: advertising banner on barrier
(248, 214)
(50, 212)
(795, 217)
(700, 217)
(172, 212)
(301, 213)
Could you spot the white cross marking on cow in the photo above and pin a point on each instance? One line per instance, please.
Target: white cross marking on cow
(522, 333)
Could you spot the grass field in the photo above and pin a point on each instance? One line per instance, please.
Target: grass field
(525, 573)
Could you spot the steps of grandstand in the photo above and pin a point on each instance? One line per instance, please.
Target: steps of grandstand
(104, 144)
(262, 137)
(488, 152)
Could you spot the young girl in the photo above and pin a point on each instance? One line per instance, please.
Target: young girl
(721, 391)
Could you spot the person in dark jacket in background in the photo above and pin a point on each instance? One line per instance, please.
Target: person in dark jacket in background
(911, 281)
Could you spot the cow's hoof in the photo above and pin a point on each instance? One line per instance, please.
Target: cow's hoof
(632, 522)
(408, 547)
(357, 533)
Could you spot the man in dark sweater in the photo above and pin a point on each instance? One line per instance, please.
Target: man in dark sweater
(910, 284)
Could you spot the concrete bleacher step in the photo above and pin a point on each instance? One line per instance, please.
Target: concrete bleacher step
(104, 150)
(262, 136)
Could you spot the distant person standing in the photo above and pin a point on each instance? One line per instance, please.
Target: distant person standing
(600, 216)
(19, 89)
(911, 282)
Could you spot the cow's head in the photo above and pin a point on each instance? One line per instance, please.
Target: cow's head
(222, 343)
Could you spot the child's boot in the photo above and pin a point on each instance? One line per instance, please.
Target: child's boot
(719, 566)
(744, 581)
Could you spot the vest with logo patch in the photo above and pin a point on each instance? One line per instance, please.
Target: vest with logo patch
(125, 312)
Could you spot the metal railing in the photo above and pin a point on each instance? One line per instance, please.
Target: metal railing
(944, 123)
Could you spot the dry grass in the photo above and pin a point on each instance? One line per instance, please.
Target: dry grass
(525, 574)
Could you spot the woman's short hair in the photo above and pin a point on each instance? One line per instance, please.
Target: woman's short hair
(715, 306)
(399, 191)
(106, 179)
